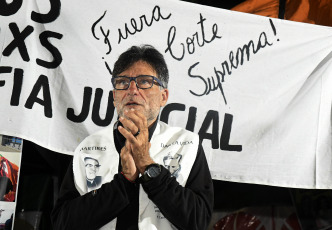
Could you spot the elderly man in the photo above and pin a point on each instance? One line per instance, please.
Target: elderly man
(91, 169)
(138, 191)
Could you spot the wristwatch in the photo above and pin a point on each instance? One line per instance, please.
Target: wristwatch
(151, 171)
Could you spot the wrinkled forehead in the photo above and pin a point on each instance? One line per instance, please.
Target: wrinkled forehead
(91, 161)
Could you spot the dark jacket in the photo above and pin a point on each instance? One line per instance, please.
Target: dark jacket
(188, 207)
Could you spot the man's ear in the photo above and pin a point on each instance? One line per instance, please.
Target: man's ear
(164, 97)
(113, 97)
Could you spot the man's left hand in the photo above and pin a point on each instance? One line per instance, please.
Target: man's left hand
(134, 122)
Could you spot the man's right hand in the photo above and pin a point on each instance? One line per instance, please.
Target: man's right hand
(129, 169)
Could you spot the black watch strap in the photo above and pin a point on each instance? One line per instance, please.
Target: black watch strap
(151, 171)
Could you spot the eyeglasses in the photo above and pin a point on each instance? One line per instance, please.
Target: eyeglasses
(142, 82)
(92, 166)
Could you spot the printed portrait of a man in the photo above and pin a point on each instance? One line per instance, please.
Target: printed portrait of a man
(91, 169)
(172, 163)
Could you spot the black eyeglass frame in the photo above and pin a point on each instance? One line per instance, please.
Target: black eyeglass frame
(95, 166)
(134, 79)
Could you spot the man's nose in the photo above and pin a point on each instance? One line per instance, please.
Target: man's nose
(132, 86)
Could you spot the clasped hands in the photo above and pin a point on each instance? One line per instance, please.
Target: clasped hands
(135, 153)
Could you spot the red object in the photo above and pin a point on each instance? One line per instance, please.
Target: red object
(127, 178)
(10, 196)
(239, 221)
(10, 170)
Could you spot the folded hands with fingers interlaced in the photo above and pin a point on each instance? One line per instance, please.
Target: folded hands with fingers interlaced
(135, 154)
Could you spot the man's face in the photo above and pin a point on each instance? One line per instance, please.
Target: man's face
(146, 101)
(173, 166)
(91, 168)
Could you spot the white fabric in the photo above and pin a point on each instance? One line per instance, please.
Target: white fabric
(170, 146)
(258, 90)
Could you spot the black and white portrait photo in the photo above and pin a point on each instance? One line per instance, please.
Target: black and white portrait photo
(91, 169)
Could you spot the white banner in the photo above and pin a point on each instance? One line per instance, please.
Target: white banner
(256, 89)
